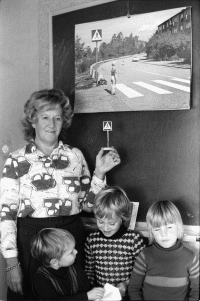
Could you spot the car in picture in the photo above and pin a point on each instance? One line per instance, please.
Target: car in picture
(135, 59)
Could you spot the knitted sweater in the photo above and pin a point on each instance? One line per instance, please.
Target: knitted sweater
(110, 259)
(165, 274)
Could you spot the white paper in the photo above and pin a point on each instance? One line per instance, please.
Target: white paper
(111, 293)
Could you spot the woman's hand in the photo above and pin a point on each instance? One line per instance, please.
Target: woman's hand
(14, 279)
(106, 162)
(96, 293)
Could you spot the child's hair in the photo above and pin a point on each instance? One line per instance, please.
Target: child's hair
(163, 213)
(50, 243)
(112, 200)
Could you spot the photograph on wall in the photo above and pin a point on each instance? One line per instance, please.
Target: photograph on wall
(134, 63)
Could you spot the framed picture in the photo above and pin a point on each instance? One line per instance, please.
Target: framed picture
(134, 62)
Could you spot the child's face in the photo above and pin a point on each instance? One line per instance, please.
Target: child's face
(109, 226)
(166, 235)
(68, 256)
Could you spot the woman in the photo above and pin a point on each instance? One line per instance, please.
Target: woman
(45, 184)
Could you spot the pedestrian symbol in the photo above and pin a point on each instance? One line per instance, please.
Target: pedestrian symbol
(96, 35)
(107, 125)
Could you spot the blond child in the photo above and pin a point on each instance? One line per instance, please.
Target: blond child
(111, 250)
(58, 278)
(166, 270)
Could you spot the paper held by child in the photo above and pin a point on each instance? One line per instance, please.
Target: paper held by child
(111, 293)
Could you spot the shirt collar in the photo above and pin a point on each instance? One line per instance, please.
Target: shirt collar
(122, 230)
(31, 147)
(177, 245)
(60, 272)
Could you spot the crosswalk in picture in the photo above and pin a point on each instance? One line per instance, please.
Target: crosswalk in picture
(155, 86)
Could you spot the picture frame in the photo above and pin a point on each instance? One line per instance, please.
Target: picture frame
(151, 53)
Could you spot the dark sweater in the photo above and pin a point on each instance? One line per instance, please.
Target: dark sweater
(165, 274)
(59, 286)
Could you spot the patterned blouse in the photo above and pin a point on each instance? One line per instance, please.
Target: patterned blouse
(36, 185)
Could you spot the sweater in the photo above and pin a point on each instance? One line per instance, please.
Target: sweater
(51, 284)
(110, 259)
(165, 274)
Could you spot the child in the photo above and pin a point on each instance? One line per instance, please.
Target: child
(166, 270)
(58, 278)
(111, 250)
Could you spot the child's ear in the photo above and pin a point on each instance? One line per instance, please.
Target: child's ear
(54, 263)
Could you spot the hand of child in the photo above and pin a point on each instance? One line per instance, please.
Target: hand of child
(122, 286)
(96, 293)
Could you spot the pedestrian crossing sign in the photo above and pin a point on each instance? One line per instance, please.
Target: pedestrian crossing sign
(107, 125)
(96, 35)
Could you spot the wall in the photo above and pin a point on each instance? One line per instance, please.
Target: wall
(18, 66)
(18, 75)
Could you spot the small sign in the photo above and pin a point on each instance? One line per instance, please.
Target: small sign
(96, 35)
(107, 125)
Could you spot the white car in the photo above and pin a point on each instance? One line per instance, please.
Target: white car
(135, 59)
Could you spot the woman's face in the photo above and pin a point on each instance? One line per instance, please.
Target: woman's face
(48, 125)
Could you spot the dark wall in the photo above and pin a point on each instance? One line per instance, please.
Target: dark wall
(159, 149)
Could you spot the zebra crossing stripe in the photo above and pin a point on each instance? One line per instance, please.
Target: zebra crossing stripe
(128, 92)
(181, 80)
(152, 88)
(176, 86)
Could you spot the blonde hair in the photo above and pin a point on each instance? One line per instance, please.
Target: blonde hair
(163, 213)
(112, 200)
(50, 243)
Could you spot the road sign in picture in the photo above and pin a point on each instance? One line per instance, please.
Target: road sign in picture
(107, 125)
(96, 35)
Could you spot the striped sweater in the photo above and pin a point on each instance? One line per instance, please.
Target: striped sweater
(165, 274)
(110, 259)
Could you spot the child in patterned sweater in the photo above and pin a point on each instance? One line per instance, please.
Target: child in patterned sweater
(166, 270)
(111, 250)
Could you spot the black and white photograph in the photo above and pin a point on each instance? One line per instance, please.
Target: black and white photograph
(99, 150)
